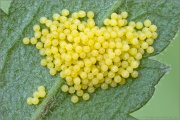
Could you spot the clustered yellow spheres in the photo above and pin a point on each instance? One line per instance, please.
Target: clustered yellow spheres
(41, 93)
(89, 56)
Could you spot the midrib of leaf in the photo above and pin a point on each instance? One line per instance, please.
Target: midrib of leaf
(57, 84)
(41, 109)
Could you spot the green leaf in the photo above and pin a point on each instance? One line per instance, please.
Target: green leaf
(21, 73)
(163, 13)
(113, 103)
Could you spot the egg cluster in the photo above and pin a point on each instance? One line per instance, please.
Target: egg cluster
(88, 56)
(41, 93)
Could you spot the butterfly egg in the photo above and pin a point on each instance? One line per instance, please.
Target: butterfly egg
(37, 34)
(65, 12)
(79, 93)
(114, 16)
(147, 23)
(113, 84)
(35, 100)
(64, 88)
(88, 56)
(53, 71)
(91, 89)
(90, 14)
(154, 35)
(113, 22)
(71, 90)
(39, 45)
(117, 79)
(125, 74)
(104, 86)
(33, 40)
(132, 23)
(36, 28)
(56, 16)
(48, 23)
(42, 52)
(124, 14)
(86, 96)
(81, 14)
(43, 20)
(74, 15)
(144, 45)
(74, 99)
(134, 74)
(153, 28)
(41, 88)
(42, 93)
(26, 40)
(36, 94)
(29, 100)
(139, 25)
(150, 50)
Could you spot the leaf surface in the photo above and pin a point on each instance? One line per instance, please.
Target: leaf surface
(21, 72)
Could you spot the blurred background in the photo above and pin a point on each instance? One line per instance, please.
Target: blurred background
(164, 105)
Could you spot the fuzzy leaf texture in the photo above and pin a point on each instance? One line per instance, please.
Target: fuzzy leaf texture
(21, 72)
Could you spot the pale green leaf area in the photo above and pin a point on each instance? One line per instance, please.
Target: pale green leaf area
(21, 72)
